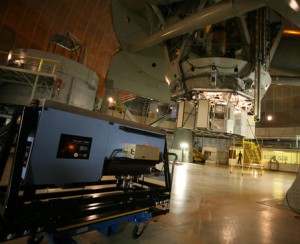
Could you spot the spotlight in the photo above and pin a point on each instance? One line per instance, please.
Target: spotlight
(184, 145)
(110, 100)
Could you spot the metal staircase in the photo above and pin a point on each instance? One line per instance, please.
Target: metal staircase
(252, 160)
(252, 152)
(145, 111)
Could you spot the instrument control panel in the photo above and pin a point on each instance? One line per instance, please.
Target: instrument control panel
(73, 146)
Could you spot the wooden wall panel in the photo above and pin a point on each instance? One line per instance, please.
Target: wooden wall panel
(32, 23)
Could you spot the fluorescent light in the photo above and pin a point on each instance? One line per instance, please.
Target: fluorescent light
(167, 80)
(9, 57)
(291, 32)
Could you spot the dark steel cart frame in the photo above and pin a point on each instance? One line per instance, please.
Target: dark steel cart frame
(30, 210)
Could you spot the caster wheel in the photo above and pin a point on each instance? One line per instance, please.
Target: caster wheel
(35, 239)
(138, 230)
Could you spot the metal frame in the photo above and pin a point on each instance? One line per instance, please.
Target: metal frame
(33, 209)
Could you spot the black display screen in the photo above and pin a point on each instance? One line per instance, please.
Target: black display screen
(75, 147)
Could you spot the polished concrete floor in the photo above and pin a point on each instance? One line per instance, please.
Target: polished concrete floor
(210, 205)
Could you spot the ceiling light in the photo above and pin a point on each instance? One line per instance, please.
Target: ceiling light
(167, 80)
(294, 5)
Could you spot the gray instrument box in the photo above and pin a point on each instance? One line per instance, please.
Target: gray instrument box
(144, 152)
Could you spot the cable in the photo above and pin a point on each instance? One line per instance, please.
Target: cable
(114, 152)
(198, 67)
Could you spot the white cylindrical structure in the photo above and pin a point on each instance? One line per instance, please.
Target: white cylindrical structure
(34, 74)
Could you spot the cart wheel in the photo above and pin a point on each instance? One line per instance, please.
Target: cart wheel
(138, 230)
(35, 239)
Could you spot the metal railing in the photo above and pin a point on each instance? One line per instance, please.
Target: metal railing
(18, 60)
(22, 60)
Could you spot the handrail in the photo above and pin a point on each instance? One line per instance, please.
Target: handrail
(40, 65)
(39, 60)
(26, 56)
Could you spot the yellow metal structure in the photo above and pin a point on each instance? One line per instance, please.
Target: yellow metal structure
(198, 156)
(251, 162)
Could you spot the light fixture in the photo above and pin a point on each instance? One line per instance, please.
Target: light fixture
(269, 117)
(291, 32)
(110, 100)
(167, 80)
(236, 69)
(184, 145)
(9, 57)
(294, 5)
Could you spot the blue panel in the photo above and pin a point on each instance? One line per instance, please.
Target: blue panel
(96, 138)
(46, 168)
